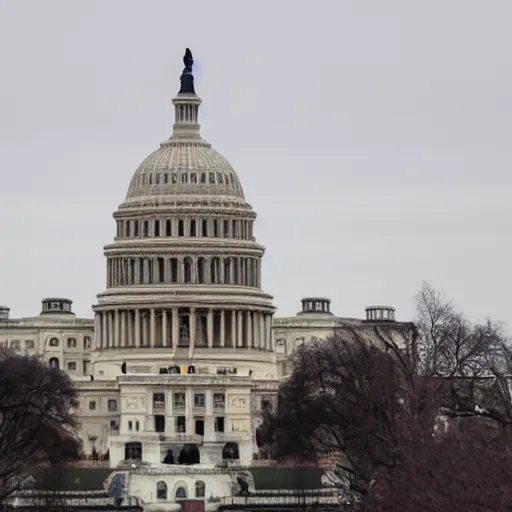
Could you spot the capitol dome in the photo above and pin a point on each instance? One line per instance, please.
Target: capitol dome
(183, 283)
(184, 168)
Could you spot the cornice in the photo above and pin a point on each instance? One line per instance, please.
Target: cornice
(216, 246)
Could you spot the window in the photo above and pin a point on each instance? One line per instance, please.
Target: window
(130, 425)
(179, 400)
(212, 178)
(86, 367)
(219, 400)
(203, 177)
(112, 405)
(71, 342)
(133, 451)
(137, 426)
(181, 493)
(199, 427)
(266, 405)
(161, 491)
(54, 342)
(15, 344)
(193, 178)
(72, 365)
(200, 489)
(87, 342)
(92, 405)
(158, 401)
(219, 424)
(181, 425)
(29, 344)
(199, 400)
(181, 228)
(157, 227)
(159, 423)
(54, 363)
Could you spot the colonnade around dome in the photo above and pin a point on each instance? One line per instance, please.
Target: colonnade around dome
(186, 327)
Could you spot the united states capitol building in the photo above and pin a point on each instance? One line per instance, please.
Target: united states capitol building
(184, 351)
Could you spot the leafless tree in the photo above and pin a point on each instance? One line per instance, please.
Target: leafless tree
(37, 420)
(415, 414)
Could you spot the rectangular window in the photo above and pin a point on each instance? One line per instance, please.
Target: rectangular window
(112, 405)
(130, 425)
(92, 405)
(72, 366)
(179, 401)
(159, 423)
(199, 400)
(181, 425)
(29, 344)
(158, 401)
(71, 342)
(219, 401)
(86, 367)
(219, 424)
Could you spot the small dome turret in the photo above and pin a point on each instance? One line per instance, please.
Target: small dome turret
(316, 306)
(380, 314)
(56, 305)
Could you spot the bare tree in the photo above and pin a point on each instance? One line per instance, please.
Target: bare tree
(37, 420)
(415, 415)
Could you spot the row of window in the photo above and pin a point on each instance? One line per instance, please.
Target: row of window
(179, 400)
(72, 366)
(181, 492)
(71, 342)
(185, 227)
(185, 178)
(185, 270)
(180, 425)
(53, 342)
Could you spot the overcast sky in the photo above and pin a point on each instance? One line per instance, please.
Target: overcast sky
(372, 137)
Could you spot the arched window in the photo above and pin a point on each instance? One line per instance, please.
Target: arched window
(227, 273)
(181, 494)
(54, 362)
(54, 342)
(200, 270)
(187, 270)
(200, 489)
(161, 491)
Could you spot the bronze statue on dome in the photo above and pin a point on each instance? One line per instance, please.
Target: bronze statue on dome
(187, 78)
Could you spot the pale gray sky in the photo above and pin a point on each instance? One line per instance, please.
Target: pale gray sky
(372, 137)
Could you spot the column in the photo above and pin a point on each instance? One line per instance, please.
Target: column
(111, 329)
(240, 334)
(233, 329)
(261, 337)
(268, 333)
(152, 325)
(137, 328)
(175, 330)
(96, 339)
(130, 329)
(221, 271)
(137, 271)
(192, 330)
(209, 329)
(116, 328)
(164, 328)
(255, 329)
(167, 276)
(123, 328)
(248, 329)
(104, 330)
(222, 329)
